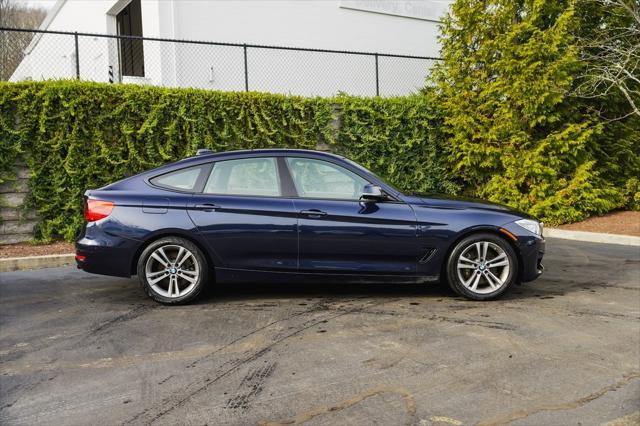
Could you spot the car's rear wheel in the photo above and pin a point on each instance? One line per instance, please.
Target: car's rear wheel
(482, 267)
(172, 270)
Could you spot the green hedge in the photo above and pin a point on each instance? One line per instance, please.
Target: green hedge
(79, 135)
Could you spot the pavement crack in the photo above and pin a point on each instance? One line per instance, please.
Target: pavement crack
(588, 312)
(306, 416)
(521, 414)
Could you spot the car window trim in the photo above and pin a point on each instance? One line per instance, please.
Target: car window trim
(272, 197)
(288, 187)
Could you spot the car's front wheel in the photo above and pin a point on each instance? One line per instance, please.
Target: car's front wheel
(172, 270)
(482, 267)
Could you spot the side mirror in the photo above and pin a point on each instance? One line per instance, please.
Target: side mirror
(372, 193)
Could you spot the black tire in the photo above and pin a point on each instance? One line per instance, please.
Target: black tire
(486, 292)
(196, 263)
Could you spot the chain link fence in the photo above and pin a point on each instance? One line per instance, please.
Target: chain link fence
(40, 55)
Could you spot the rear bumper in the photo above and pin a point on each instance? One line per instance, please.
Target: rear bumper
(100, 253)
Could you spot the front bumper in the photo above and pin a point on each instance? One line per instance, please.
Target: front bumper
(532, 252)
(531, 249)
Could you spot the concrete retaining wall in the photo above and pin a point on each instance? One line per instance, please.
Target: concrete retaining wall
(16, 223)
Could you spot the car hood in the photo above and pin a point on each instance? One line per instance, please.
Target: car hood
(445, 201)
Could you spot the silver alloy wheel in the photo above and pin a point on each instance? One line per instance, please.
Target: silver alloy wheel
(172, 271)
(483, 267)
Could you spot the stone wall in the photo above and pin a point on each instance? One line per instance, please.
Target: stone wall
(16, 223)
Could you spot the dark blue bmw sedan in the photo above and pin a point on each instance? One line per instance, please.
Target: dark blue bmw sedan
(296, 215)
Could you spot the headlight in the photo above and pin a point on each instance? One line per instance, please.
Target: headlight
(530, 225)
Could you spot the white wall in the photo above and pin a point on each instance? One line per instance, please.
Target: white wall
(53, 56)
(317, 24)
(320, 24)
(300, 23)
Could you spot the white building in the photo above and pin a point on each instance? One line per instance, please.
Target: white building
(386, 27)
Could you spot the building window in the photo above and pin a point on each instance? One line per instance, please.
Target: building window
(130, 51)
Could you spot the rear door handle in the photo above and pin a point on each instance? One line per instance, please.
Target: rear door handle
(206, 207)
(314, 212)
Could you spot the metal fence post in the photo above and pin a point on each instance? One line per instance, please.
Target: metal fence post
(377, 78)
(246, 70)
(75, 35)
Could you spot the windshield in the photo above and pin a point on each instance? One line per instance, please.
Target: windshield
(353, 163)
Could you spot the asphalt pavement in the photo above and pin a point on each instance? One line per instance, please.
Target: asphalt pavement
(84, 349)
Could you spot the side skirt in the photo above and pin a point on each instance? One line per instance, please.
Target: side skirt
(227, 275)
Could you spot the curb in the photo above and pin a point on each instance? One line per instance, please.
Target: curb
(36, 262)
(592, 237)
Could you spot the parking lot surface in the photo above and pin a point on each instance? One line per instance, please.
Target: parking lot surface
(77, 348)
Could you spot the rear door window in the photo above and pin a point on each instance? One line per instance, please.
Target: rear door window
(247, 176)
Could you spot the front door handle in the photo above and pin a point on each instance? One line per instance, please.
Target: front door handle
(314, 213)
(206, 207)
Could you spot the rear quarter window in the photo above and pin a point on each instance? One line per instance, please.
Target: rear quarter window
(179, 180)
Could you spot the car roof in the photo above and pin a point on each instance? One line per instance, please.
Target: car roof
(243, 153)
(268, 151)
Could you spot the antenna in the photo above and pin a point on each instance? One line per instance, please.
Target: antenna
(203, 151)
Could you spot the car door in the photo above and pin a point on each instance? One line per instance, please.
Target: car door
(245, 218)
(339, 233)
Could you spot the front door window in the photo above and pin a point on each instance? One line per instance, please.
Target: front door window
(324, 180)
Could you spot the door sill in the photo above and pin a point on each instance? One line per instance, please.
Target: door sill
(230, 275)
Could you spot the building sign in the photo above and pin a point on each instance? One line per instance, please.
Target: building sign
(428, 10)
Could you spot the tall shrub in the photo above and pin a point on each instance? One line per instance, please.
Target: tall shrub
(514, 134)
(608, 85)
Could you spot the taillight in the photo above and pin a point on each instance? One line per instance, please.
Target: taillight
(97, 209)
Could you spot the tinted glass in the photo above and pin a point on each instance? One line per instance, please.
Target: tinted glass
(182, 180)
(250, 176)
(322, 179)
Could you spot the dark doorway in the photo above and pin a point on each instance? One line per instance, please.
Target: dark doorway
(131, 54)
